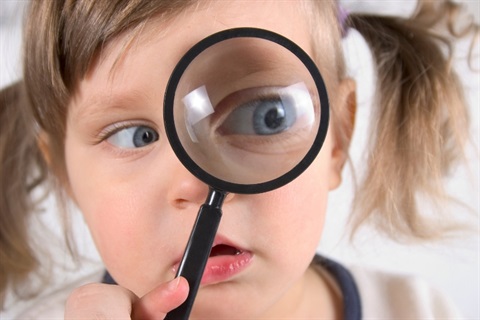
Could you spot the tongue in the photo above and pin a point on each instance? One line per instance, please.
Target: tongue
(223, 250)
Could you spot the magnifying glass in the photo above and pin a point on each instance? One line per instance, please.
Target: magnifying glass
(245, 111)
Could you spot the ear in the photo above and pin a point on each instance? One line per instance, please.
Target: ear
(343, 121)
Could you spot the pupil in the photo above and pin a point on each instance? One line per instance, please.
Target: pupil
(274, 118)
(147, 137)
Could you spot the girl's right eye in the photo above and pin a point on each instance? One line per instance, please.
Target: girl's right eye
(133, 137)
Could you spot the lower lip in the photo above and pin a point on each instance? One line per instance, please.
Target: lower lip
(222, 268)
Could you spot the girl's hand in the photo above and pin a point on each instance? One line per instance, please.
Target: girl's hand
(104, 301)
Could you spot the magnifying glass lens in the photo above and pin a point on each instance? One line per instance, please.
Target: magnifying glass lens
(246, 110)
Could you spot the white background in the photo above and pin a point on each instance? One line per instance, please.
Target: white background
(452, 266)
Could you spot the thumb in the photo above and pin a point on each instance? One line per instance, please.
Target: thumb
(161, 300)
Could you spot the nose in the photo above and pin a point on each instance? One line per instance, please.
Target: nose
(184, 189)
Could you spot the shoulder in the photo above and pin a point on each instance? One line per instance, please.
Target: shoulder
(386, 295)
(49, 304)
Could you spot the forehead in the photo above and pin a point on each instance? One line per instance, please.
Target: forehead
(158, 46)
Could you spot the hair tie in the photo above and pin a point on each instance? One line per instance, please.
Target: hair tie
(342, 20)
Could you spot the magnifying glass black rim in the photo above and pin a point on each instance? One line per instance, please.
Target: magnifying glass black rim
(182, 154)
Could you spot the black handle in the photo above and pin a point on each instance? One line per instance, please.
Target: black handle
(198, 250)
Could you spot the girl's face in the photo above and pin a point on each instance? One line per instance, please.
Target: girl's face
(140, 203)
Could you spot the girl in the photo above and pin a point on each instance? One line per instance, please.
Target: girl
(95, 75)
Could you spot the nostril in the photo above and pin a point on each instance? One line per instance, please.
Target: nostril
(180, 203)
(229, 197)
(185, 190)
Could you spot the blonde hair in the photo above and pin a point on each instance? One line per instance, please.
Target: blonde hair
(419, 134)
(421, 121)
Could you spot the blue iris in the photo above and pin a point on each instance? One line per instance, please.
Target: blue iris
(133, 137)
(262, 117)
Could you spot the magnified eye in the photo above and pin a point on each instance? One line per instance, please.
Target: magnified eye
(262, 117)
(133, 137)
(267, 111)
(265, 120)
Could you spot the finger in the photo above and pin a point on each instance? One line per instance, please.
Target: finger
(161, 300)
(100, 301)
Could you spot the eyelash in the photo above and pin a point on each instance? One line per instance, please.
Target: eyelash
(107, 132)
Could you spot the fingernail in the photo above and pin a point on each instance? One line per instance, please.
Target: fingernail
(173, 285)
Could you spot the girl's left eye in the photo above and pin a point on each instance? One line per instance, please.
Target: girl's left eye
(260, 117)
(133, 137)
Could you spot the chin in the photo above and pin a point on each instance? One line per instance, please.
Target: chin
(224, 301)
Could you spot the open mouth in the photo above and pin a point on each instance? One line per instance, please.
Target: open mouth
(224, 250)
(224, 262)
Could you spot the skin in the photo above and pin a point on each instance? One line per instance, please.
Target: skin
(140, 203)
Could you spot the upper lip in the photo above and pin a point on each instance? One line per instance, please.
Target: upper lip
(219, 240)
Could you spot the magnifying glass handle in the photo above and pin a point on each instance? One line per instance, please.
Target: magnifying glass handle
(198, 250)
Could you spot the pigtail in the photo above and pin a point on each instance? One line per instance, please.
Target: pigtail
(421, 122)
(19, 154)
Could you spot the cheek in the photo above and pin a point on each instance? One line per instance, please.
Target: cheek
(106, 207)
(297, 212)
(302, 204)
(306, 196)
(126, 224)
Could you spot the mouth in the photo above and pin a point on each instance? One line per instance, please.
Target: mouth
(224, 262)
(224, 250)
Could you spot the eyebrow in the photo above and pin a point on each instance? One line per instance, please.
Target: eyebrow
(100, 104)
